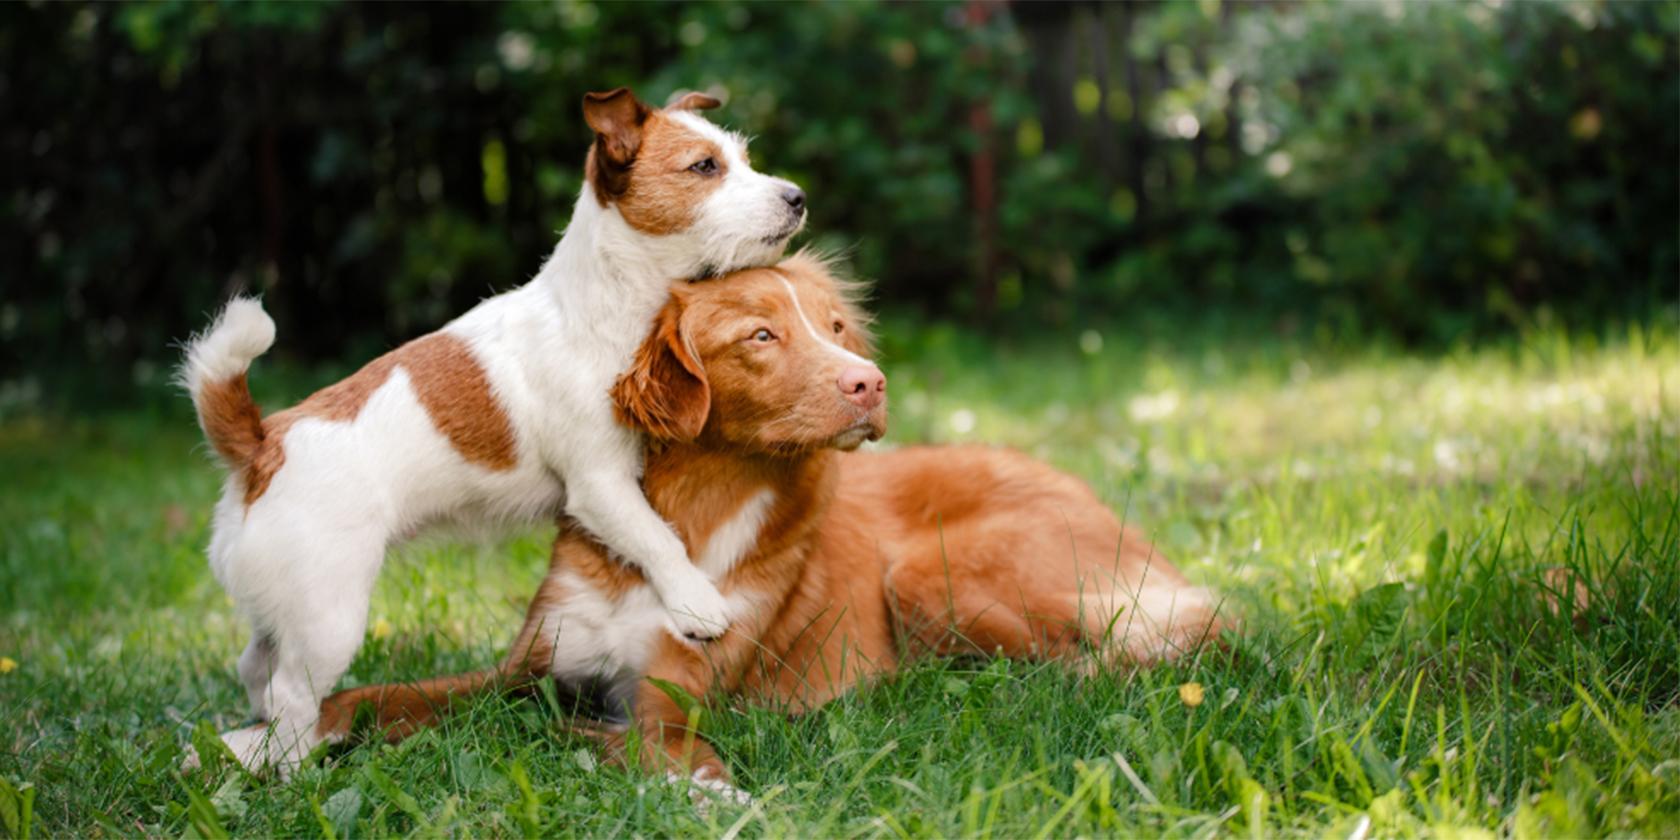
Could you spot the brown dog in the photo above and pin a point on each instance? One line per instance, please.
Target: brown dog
(836, 565)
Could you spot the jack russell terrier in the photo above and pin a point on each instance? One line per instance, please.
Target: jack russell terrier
(502, 415)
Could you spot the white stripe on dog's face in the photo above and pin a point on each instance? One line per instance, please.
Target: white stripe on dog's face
(826, 342)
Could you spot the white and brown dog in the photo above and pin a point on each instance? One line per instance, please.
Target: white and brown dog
(501, 415)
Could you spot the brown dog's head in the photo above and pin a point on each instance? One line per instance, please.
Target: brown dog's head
(672, 175)
(768, 360)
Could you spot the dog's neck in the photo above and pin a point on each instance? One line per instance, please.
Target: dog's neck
(604, 275)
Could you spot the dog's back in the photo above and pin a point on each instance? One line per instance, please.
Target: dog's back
(972, 550)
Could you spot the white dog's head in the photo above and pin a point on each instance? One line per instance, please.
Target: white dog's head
(672, 175)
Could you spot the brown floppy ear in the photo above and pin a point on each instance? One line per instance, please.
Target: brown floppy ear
(616, 117)
(692, 101)
(664, 393)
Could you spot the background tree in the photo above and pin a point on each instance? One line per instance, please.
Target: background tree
(1423, 171)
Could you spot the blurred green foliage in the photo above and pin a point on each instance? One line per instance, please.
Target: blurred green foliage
(1424, 171)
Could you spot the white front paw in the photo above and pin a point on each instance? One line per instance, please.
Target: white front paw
(706, 788)
(698, 610)
(721, 789)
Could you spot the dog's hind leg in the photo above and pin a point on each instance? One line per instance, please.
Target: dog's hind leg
(398, 710)
(256, 668)
(316, 612)
(957, 591)
(401, 709)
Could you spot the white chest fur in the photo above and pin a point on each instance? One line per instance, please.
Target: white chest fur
(599, 638)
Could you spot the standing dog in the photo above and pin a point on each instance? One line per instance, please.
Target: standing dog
(503, 414)
(835, 565)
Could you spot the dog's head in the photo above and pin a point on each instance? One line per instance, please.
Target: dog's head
(770, 360)
(674, 176)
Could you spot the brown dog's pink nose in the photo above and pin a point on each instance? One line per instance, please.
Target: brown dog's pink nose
(865, 386)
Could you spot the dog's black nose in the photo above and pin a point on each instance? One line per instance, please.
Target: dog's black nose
(795, 197)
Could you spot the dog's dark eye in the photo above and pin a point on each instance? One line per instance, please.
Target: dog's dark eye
(763, 336)
(839, 328)
(705, 167)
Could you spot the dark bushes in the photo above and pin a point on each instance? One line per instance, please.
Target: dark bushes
(1422, 170)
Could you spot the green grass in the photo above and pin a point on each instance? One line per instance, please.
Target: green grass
(1384, 521)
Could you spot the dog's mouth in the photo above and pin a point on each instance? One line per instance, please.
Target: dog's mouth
(787, 231)
(852, 438)
(864, 429)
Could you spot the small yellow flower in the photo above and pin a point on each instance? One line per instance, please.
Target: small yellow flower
(7, 664)
(381, 629)
(1191, 694)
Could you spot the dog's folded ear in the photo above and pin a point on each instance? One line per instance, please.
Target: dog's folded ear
(616, 117)
(692, 101)
(665, 393)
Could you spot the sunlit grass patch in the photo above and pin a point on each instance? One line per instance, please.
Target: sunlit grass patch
(1459, 576)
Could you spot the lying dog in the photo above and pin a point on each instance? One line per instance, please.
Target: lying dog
(835, 565)
(503, 414)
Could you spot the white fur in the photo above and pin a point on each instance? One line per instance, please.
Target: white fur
(240, 334)
(706, 787)
(733, 539)
(300, 562)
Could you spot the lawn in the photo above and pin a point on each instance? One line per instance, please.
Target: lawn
(1395, 528)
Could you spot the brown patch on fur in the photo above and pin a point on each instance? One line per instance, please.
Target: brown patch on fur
(456, 393)
(662, 195)
(640, 160)
(449, 383)
(231, 421)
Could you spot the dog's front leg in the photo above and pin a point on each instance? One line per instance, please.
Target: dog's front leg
(608, 502)
(669, 727)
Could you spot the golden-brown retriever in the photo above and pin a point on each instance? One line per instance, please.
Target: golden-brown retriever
(837, 564)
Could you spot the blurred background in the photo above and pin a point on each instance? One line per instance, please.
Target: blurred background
(1417, 174)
